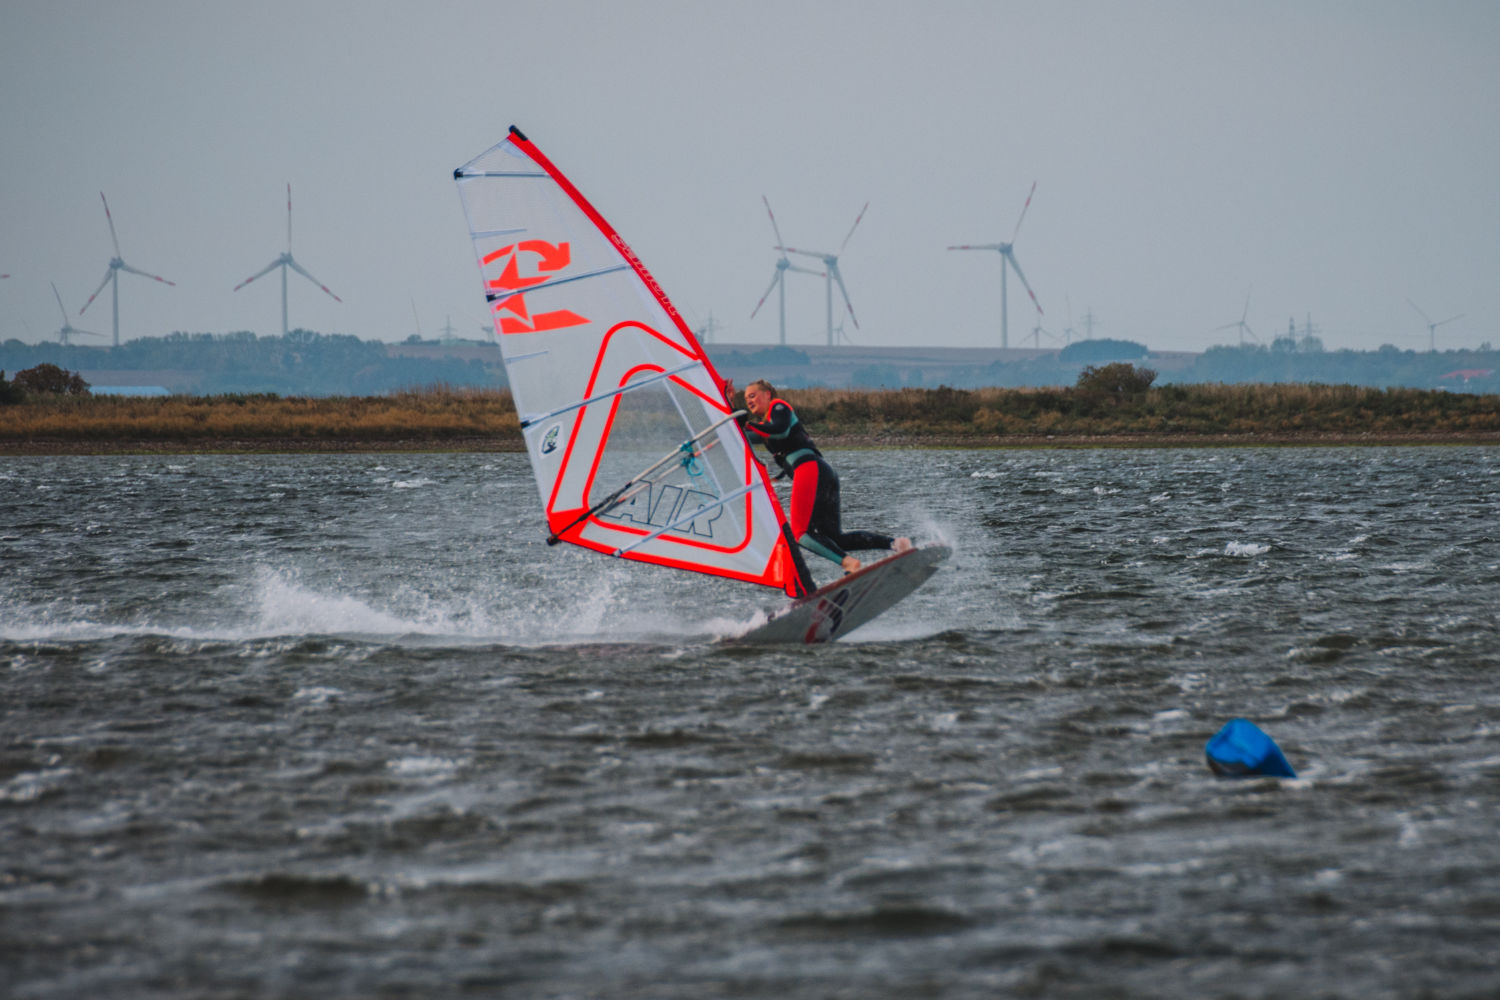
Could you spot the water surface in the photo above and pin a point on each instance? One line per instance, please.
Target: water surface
(314, 726)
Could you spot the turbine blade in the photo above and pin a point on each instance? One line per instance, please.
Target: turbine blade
(805, 253)
(805, 270)
(303, 271)
(135, 270)
(111, 220)
(259, 274)
(1425, 318)
(109, 273)
(288, 216)
(980, 246)
(59, 302)
(852, 228)
(1023, 212)
(1015, 264)
(1450, 319)
(774, 228)
(834, 270)
(774, 278)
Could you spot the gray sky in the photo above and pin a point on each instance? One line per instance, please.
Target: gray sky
(1338, 158)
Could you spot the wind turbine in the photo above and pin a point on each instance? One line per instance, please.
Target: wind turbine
(779, 278)
(68, 329)
(831, 273)
(1036, 336)
(1008, 259)
(112, 276)
(286, 261)
(1242, 326)
(1431, 326)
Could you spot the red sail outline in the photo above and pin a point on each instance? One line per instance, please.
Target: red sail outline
(780, 570)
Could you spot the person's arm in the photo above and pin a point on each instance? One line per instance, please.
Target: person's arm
(777, 423)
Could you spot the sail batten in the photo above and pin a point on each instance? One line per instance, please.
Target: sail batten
(628, 387)
(554, 282)
(698, 512)
(463, 175)
(610, 380)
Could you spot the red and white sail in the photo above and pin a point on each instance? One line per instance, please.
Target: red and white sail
(611, 388)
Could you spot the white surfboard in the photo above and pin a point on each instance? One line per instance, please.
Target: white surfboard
(850, 601)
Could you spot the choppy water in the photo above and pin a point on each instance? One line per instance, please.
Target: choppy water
(345, 727)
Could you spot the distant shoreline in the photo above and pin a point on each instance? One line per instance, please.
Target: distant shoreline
(1206, 416)
(828, 442)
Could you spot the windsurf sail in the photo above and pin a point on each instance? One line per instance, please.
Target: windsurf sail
(608, 381)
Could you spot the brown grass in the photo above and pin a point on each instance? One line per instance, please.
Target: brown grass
(431, 418)
(485, 420)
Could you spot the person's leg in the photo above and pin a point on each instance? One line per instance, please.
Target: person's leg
(827, 520)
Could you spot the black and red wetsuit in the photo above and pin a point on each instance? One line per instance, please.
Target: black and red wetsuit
(815, 513)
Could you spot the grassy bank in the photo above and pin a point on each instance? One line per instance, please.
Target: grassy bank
(485, 420)
(440, 419)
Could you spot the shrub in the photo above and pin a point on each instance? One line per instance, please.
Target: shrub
(1118, 379)
(48, 378)
(9, 393)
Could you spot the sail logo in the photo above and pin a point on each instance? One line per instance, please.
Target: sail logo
(666, 504)
(507, 293)
(549, 442)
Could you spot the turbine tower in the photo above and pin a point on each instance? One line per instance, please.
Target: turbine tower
(1431, 326)
(286, 261)
(779, 278)
(68, 329)
(1008, 260)
(112, 276)
(831, 273)
(1242, 326)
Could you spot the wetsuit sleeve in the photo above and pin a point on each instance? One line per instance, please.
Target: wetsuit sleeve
(776, 425)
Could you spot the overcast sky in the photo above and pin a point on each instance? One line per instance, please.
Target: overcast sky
(1328, 160)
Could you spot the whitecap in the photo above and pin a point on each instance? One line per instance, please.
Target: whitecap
(1246, 549)
(425, 765)
(317, 695)
(29, 786)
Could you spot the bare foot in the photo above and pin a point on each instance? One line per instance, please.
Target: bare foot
(902, 545)
(851, 564)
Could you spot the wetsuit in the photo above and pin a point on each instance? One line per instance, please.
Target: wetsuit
(815, 513)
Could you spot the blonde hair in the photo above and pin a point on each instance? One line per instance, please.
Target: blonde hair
(763, 386)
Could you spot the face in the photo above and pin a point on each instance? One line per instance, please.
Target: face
(757, 401)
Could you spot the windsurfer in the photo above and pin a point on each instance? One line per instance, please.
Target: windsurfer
(815, 515)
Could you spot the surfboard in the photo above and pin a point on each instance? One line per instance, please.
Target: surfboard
(844, 605)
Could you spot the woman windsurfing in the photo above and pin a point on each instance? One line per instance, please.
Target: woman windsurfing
(815, 509)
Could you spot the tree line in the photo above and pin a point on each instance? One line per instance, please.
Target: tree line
(301, 363)
(314, 364)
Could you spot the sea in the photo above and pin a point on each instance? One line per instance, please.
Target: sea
(345, 726)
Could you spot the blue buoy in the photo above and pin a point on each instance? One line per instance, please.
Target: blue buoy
(1241, 750)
